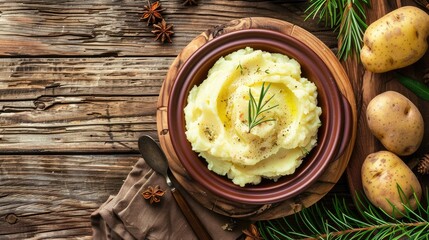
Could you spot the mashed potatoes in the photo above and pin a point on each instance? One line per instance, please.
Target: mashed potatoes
(217, 122)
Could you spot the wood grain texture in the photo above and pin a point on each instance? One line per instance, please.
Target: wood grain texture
(113, 28)
(366, 86)
(78, 105)
(80, 80)
(264, 211)
(52, 196)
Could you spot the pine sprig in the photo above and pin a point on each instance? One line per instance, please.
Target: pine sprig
(256, 108)
(347, 17)
(340, 221)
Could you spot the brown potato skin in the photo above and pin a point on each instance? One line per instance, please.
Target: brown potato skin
(395, 40)
(396, 122)
(381, 172)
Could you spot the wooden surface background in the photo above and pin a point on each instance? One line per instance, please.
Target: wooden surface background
(79, 82)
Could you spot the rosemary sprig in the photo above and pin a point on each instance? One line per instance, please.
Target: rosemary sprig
(341, 221)
(256, 108)
(345, 16)
(240, 67)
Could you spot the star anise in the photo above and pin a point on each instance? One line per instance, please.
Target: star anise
(163, 31)
(153, 194)
(152, 12)
(252, 233)
(190, 2)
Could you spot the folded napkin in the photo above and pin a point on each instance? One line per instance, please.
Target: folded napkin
(129, 216)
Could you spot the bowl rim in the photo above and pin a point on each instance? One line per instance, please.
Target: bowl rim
(269, 193)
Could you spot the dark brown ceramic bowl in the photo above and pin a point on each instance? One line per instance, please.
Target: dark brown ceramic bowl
(333, 136)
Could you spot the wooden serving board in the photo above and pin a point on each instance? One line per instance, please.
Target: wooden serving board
(367, 85)
(267, 211)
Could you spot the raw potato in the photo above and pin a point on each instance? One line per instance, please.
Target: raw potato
(396, 122)
(396, 40)
(381, 173)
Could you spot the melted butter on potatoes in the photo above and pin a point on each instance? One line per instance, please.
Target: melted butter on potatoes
(217, 124)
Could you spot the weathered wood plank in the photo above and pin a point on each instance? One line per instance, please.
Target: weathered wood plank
(78, 105)
(93, 104)
(30, 78)
(53, 196)
(105, 27)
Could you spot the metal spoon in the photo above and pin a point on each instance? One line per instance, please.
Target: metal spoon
(155, 158)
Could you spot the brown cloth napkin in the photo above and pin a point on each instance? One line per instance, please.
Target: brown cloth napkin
(129, 216)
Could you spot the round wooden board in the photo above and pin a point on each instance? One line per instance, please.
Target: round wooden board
(265, 211)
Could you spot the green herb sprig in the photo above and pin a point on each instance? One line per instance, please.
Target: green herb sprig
(240, 67)
(345, 16)
(341, 221)
(417, 87)
(256, 108)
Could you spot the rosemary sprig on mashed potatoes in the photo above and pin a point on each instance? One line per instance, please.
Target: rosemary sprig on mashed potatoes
(256, 108)
(217, 127)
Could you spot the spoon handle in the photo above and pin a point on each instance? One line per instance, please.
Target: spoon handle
(190, 215)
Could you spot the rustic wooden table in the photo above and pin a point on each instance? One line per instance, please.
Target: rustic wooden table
(79, 83)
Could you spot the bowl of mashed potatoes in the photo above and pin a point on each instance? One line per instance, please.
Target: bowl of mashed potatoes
(255, 117)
